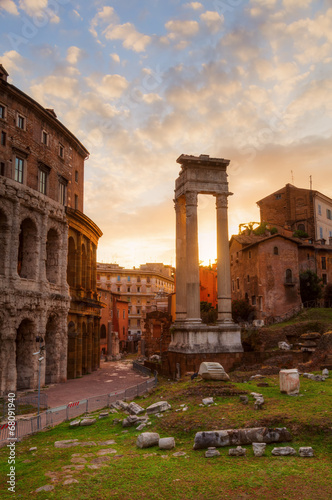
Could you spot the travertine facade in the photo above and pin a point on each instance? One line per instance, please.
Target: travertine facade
(34, 298)
(41, 194)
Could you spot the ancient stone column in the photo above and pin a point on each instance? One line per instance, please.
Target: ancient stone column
(192, 271)
(223, 265)
(181, 285)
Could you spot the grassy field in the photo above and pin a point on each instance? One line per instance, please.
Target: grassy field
(128, 473)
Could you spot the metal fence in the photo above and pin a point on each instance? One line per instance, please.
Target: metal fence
(24, 404)
(54, 416)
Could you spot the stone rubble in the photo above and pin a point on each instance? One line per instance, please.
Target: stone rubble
(306, 451)
(160, 406)
(207, 401)
(283, 451)
(237, 452)
(212, 452)
(258, 449)
(135, 409)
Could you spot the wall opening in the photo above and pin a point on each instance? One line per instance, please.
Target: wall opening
(3, 241)
(25, 361)
(51, 350)
(28, 250)
(52, 256)
(71, 264)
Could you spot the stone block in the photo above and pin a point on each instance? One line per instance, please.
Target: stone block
(207, 401)
(167, 443)
(258, 449)
(306, 451)
(237, 452)
(289, 381)
(212, 371)
(158, 407)
(147, 439)
(88, 421)
(283, 451)
(212, 452)
(135, 409)
(238, 437)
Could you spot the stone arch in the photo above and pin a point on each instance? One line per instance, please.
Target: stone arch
(28, 250)
(84, 266)
(3, 241)
(71, 265)
(25, 361)
(51, 351)
(103, 332)
(72, 350)
(52, 255)
(84, 348)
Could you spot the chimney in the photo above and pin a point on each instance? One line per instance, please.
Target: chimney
(3, 73)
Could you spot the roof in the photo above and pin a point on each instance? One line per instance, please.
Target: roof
(251, 240)
(313, 191)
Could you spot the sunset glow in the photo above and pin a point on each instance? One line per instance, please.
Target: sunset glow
(140, 83)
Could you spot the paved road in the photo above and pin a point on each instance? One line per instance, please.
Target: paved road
(112, 376)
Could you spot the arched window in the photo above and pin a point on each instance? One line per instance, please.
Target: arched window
(276, 251)
(103, 332)
(3, 241)
(71, 267)
(289, 276)
(84, 266)
(52, 256)
(301, 227)
(27, 251)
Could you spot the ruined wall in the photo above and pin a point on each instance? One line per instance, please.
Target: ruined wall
(34, 298)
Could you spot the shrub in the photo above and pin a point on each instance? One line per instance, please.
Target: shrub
(310, 286)
(242, 310)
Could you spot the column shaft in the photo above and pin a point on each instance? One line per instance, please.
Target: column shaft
(192, 277)
(223, 265)
(181, 283)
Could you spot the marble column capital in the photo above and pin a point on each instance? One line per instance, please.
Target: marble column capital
(192, 198)
(221, 200)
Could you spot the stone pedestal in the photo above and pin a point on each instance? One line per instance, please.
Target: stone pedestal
(193, 339)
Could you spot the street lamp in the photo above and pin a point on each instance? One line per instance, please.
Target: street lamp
(40, 359)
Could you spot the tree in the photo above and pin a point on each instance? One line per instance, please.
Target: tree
(242, 310)
(310, 286)
(328, 295)
(208, 313)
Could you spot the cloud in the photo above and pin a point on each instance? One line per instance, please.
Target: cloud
(61, 87)
(213, 20)
(12, 61)
(74, 54)
(110, 87)
(178, 28)
(9, 6)
(40, 9)
(115, 57)
(194, 5)
(130, 37)
(105, 15)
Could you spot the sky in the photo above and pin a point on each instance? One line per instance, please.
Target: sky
(140, 82)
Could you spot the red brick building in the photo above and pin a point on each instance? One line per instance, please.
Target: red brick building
(265, 271)
(114, 323)
(208, 284)
(299, 209)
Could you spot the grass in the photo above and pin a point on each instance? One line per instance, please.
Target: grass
(132, 473)
(323, 315)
